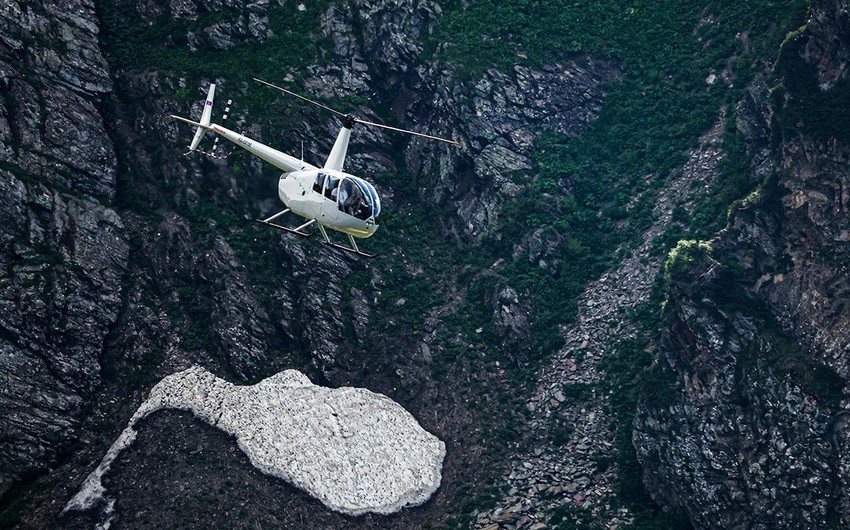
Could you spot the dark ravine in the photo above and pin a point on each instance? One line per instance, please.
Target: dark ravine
(123, 262)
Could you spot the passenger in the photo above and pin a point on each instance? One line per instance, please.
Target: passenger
(331, 190)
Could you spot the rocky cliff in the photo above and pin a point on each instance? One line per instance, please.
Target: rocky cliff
(747, 426)
(64, 248)
(124, 262)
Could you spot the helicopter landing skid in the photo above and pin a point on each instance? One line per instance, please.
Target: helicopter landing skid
(352, 249)
(284, 228)
(296, 231)
(349, 249)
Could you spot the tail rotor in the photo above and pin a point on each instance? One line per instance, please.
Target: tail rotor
(213, 152)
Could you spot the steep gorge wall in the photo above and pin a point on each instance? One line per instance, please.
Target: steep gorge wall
(63, 249)
(122, 262)
(116, 268)
(746, 425)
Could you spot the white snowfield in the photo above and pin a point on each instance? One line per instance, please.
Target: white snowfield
(354, 450)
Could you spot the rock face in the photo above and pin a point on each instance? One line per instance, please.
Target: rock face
(564, 470)
(737, 434)
(62, 252)
(354, 450)
(52, 75)
(747, 423)
(123, 262)
(498, 119)
(828, 49)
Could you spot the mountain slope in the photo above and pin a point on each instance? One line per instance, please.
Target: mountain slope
(594, 137)
(751, 429)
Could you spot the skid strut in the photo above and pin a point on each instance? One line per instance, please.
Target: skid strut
(297, 231)
(352, 249)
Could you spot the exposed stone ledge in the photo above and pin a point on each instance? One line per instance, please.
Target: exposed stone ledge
(354, 450)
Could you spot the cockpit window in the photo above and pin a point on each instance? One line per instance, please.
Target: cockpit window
(371, 196)
(331, 188)
(319, 183)
(353, 201)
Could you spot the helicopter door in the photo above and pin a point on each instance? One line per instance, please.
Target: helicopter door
(329, 191)
(327, 186)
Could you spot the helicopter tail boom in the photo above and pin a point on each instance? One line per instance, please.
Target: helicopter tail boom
(276, 158)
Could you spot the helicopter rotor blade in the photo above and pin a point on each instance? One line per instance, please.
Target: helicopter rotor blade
(423, 135)
(299, 96)
(358, 120)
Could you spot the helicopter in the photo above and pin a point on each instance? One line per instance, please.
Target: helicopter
(326, 196)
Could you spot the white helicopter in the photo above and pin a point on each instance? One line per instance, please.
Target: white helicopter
(326, 197)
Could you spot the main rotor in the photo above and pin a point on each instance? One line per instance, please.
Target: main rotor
(349, 120)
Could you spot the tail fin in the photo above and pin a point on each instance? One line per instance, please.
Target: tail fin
(205, 119)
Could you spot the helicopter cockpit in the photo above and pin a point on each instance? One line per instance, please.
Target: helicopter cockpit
(353, 196)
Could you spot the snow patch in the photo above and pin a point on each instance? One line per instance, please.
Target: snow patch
(354, 450)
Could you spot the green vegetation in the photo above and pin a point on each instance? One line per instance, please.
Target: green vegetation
(645, 33)
(652, 115)
(687, 255)
(162, 44)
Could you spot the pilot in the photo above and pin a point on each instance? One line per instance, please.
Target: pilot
(350, 204)
(343, 197)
